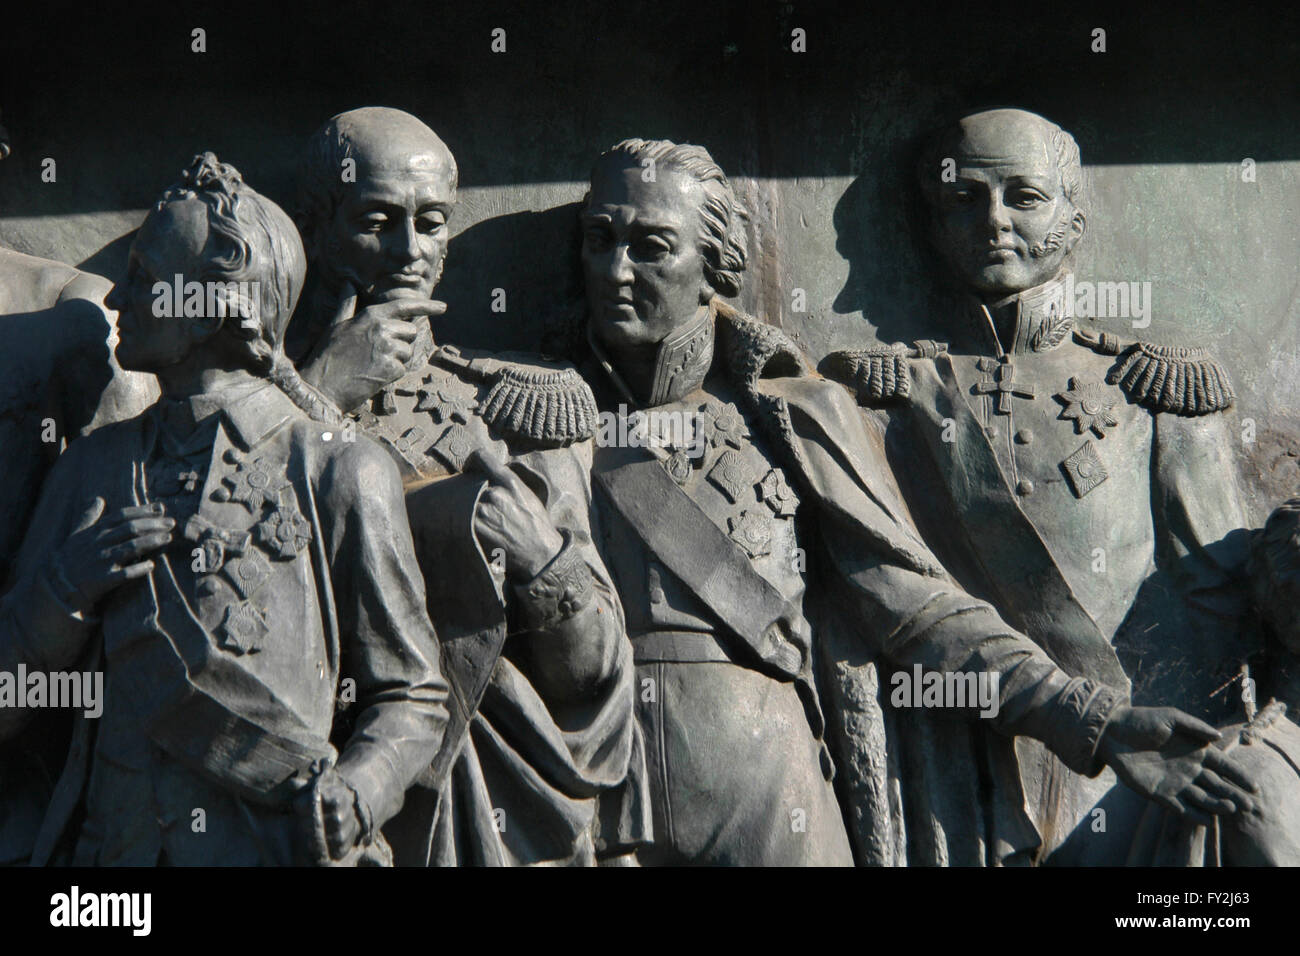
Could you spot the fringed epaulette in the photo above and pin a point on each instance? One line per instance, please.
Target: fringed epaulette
(1179, 379)
(544, 402)
(879, 375)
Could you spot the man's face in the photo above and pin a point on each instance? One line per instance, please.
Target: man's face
(1005, 224)
(641, 255)
(388, 236)
(170, 243)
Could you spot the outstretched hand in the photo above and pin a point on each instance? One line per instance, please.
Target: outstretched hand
(1164, 754)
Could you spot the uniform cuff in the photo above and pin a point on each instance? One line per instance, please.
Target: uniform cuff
(561, 590)
(1083, 709)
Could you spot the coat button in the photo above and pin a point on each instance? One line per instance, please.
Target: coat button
(992, 431)
(1024, 436)
(1024, 487)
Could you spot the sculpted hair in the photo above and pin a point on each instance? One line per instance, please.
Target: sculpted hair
(724, 217)
(250, 240)
(1274, 566)
(1068, 159)
(320, 179)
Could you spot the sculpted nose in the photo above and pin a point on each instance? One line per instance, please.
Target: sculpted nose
(620, 266)
(998, 219)
(116, 299)
(406, 243)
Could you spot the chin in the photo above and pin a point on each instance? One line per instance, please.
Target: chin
(131, 362)
(393, 293)
(621, 332)
(1001, 281)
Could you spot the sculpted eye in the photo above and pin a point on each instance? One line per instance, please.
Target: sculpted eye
(430, 222)
(375, 222)
(596, 238)
(652, 247)
(1027, 199)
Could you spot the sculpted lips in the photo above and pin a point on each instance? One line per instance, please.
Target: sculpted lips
(998, 252)
(409, 279)
(620, 300)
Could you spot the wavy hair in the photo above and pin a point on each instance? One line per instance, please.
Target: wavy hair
(724, 217)
(250, 240)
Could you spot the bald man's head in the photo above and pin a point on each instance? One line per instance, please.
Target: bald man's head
(376, 188)
(1003, 188)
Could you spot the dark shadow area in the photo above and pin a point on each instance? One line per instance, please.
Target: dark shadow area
(532, 257)
(879, 232)
(110, 261)
(121, 100)
(1188, 652)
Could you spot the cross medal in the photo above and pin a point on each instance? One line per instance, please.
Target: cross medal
(1004, 386)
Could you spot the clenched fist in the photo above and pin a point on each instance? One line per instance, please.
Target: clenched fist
(327, 817)
(511, 517)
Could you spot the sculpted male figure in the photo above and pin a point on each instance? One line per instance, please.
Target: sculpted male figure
(532, 633)
(774, 537)
(59, 380)
(1267, 742)
(231, 567)
(1052, 469)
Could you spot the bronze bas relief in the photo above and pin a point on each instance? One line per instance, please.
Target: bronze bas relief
(410, 603)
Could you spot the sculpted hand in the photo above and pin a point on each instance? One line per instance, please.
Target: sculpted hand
(1161, 753)
(363, 351)
(328, 809)
(106, 551)
(511, 517)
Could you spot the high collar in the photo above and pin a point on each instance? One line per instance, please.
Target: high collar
(1030, 321)
(249, 412)
(681, 363)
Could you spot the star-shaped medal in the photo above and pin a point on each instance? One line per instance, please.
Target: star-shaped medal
(447, 398)
(721, 425)
(1088, 405)
(255, 481)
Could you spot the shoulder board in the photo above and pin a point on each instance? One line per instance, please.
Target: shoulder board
(1178, 379)
(878, 375)
(541, 401)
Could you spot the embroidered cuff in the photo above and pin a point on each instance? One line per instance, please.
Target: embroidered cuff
(1083, 710)
(561, 590)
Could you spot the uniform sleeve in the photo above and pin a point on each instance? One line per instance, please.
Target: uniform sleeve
(388, 645)
(41, 624)
(1198, 512)
(578, 647)
(914, 614)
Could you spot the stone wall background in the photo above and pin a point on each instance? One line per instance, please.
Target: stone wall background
(819, 144)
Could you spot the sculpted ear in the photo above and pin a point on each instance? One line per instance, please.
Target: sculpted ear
(1078, 225)
(707, 291)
